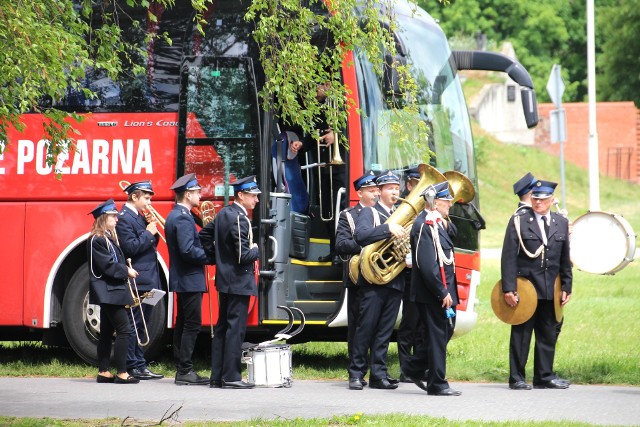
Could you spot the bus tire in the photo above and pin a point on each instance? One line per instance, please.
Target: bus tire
(81, 320)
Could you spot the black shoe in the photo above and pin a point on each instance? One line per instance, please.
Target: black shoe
(191, 378)
(554, 383)
(364, 382)
(139, 374)
(383, 384)
(445, 392)
(355, 384)
(520, 385)
(128, 380)
(215, 384)
(392, 380)
(404, 378)
(562, 380)
(418, 381)
(104, 380)
(152, 374)
(237, 384)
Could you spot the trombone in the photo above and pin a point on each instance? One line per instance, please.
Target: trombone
(149, 212)
(335, 160)
(137, 300)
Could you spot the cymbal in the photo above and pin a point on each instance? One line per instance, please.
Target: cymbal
(557, 300)
(521, 312)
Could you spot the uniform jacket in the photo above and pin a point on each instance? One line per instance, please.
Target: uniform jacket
(541, 272)
(234, 259)
(140, 245)
(346, 246)
(366, 234)
(186, 256)
(108, 273)
(427, 286)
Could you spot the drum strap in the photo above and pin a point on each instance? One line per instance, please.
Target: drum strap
(537, 253)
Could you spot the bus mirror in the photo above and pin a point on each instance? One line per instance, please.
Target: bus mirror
(529, 106)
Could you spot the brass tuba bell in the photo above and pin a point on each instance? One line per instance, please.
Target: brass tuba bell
(382, 261)
(460, 186)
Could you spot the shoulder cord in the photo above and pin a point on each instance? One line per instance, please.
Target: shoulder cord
(91, 257)
(540, 250)
(239, 240)
(376, 217)
(442, 258)
(352, 226)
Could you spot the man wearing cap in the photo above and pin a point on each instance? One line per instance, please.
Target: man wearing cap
(236, 255)
(522, 188)
(187, 259)
(379, 305)
(139, 241)
(346, 247)
(536, 247)
(434, 290)
(411, 331)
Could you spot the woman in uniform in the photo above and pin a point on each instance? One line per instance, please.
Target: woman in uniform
(110, 289)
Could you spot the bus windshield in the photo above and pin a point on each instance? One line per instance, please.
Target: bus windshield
(441, 106)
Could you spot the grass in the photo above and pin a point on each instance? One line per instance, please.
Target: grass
(349, 420)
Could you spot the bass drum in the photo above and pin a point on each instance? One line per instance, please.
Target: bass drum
(602, 243)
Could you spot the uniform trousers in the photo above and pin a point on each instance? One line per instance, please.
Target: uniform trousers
(431, 354)
(353, 308)
(188, 325)
(226, 346)
(135, 355)
(113, 318)
(411, 331)
(379, 306)
(543, 323)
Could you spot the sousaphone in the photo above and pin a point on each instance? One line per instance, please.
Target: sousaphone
(523, 310)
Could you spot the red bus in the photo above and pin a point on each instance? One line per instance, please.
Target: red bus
(197, 110)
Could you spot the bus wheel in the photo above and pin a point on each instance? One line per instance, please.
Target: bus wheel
(81, 320)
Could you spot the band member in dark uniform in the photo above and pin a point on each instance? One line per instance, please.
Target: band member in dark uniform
(138, 240)
(109, 288)
(346, 247)
(434, 291)
(186, 276)
(536, 247)
(411, 331)
(522, 188)
(379, 305)
(236, 255)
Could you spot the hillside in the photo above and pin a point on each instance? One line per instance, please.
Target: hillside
(500, 165)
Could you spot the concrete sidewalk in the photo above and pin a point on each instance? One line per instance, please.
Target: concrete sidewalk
(151, 400)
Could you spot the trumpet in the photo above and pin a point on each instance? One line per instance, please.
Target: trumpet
(150, 214)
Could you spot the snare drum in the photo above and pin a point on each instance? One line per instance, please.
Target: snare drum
(269, 366)
(602, 243)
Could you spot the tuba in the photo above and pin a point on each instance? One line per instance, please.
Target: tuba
(380, 262)
(461, 187)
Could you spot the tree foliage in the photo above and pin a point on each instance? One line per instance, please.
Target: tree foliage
(619, 78)
(544, 33)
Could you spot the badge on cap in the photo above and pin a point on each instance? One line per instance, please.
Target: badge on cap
(543, 189)
(186, 183)
(141, 185)
(108, 207)
(246, 185)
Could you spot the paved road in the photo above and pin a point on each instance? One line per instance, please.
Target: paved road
(150, 400)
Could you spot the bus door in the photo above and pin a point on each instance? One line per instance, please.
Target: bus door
(219, 137)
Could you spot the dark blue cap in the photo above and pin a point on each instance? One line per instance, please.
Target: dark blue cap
(387, 177)
(524, 185)
(543, 189)
(413, 173)
(442, 191)
(108, 207)
(186, 183)
(246, 185)
(142, 185)
(366, 180)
